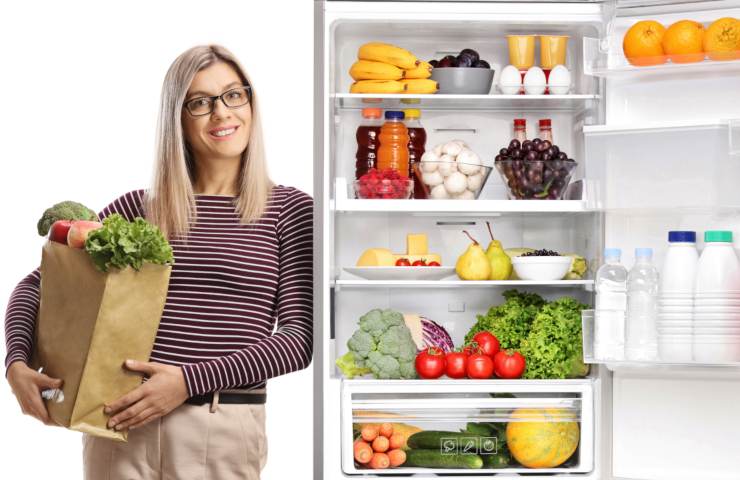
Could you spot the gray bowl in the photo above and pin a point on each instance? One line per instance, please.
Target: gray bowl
(462, 80)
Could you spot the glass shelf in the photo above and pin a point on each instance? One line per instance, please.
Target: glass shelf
(518, 103)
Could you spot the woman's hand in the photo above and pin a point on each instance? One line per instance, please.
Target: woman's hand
(27, 385)
(163, 392)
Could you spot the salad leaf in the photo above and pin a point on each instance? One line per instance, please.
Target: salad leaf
(511, 321)
(120, 243)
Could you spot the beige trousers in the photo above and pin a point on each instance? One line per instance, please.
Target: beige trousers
(191, 442)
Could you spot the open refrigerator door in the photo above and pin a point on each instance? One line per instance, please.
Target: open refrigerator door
(655, 149)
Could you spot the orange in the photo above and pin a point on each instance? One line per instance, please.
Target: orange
(642, 43)
(683, 42)
(722, 39)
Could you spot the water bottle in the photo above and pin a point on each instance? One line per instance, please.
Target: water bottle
(642, 308)
(611, 307)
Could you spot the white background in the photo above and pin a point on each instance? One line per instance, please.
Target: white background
(79, 93)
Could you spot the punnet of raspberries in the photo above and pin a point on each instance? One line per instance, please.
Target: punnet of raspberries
(387, 184)
(541, 253)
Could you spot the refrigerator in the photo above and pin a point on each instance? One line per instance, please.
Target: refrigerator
(657, 149)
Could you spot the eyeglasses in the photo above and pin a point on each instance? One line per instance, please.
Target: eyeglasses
(234, 98)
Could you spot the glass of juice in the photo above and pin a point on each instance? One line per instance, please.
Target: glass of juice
(552, 50)
(521, 51)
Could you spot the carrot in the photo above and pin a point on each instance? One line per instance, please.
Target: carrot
(363, 452)
(396, 457)
(396, 441)
(381, 444)
(369, 433)
(379, 461)
(386, 430)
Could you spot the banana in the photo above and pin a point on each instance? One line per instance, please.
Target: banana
(423, 70)
(383, 52)
(367, 70)
(377, 86)
(420, 85)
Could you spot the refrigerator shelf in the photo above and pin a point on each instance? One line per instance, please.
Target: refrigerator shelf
(344, 204)
(491, 102)
(343, 283)
(599, 60)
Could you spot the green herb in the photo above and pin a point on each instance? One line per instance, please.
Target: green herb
(120, 243)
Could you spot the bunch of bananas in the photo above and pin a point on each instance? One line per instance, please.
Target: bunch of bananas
(384, 68)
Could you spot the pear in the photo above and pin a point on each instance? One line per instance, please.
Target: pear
(499, 260)
(473, 264)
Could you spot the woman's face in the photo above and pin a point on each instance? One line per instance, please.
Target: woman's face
(224, 133)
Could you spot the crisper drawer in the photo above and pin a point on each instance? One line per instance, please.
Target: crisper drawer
(665, 165)
(469, 426)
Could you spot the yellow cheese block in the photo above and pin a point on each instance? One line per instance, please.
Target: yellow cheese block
(429, 257)
(417, 244)
(376, 257)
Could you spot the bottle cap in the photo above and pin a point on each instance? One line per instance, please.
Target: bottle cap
(643, 253)
(545, 122)
(393, 115)
(612, 253)
(682, 237)
(520, 122)
(718, 236)
(412, 113)
(371, 112)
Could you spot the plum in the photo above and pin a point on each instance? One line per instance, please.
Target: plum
(447, 62)
(433, 63)
(471, 53)
(481, 64)
(465, 61)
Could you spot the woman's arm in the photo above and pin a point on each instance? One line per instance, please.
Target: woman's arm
(23, 306)
(291, 345)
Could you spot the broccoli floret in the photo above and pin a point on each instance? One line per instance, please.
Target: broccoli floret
(67, 210)
(383, 344)
(383, 366)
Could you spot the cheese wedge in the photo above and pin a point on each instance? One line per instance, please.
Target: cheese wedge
(376, 257)
(417, 244)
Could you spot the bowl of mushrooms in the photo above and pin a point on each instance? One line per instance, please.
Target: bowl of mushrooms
(451, 171)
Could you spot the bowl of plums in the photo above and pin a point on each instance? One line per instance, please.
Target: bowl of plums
(465, 73)
(534, 170)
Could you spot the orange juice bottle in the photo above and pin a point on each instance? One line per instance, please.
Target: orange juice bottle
(394, 144)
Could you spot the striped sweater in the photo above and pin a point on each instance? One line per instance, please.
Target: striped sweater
(240, 299)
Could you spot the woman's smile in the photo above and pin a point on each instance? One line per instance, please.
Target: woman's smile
(223, 133)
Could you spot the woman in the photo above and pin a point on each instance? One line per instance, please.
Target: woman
(239, 304)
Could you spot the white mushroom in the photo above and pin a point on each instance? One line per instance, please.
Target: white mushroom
(437, 150)
(439, 192)
(475, 182)
(468, 162)
(460, 142)
(466, 195)
(456, 183)
(429, 162)
(452, 148)
(432, 179)
(447, 165)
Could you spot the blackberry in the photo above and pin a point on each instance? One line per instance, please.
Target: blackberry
(541, 253)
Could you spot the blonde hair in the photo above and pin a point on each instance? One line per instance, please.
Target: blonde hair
(170, 202)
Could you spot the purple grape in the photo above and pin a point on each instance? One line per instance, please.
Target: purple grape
(531, 156)
(514, 144)
(562, 156)
(504, 152)
(547, 144)
(554, 194)
(499, 158)
(517, 164)
(536, 141)
(555, 150)
(541, 147)
(557, 164)
(545, 156)
(528, 147)
(517, 153)
(537, 178)
(552, 151)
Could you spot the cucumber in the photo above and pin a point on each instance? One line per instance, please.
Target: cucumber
(502, 459)
(435, 459)
(482, 429)
(433, 439)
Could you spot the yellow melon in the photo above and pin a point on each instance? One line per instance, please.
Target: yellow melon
(547, 438)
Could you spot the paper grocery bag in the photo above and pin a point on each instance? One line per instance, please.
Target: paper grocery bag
(88, 324)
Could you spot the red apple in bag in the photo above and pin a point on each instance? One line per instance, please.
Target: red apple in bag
(78, 232)
(58, 231)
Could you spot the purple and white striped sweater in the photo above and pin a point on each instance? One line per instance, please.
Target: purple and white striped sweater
(239, 307)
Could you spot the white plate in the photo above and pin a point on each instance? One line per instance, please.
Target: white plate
(401, 273)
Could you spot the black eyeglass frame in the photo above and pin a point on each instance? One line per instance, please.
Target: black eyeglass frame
(213, 99)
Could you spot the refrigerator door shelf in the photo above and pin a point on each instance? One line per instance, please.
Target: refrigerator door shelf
(449, 405)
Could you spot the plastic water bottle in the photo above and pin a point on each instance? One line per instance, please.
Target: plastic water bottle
(611, 307)
(642, 308)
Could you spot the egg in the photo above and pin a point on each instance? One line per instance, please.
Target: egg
(559, 81)
(510, 80)
(534, 81)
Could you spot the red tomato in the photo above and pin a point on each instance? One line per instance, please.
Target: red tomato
(487, 342)
(59, 230)
(403, 262)
(419, 263)
(455, 364)
(470, 349)
(479, 365)
(508, 364)
(433, 264)
(430, 363)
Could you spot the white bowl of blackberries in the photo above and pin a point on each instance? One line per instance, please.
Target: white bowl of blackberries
(541, 265)
(534, 170)
(463, 74)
